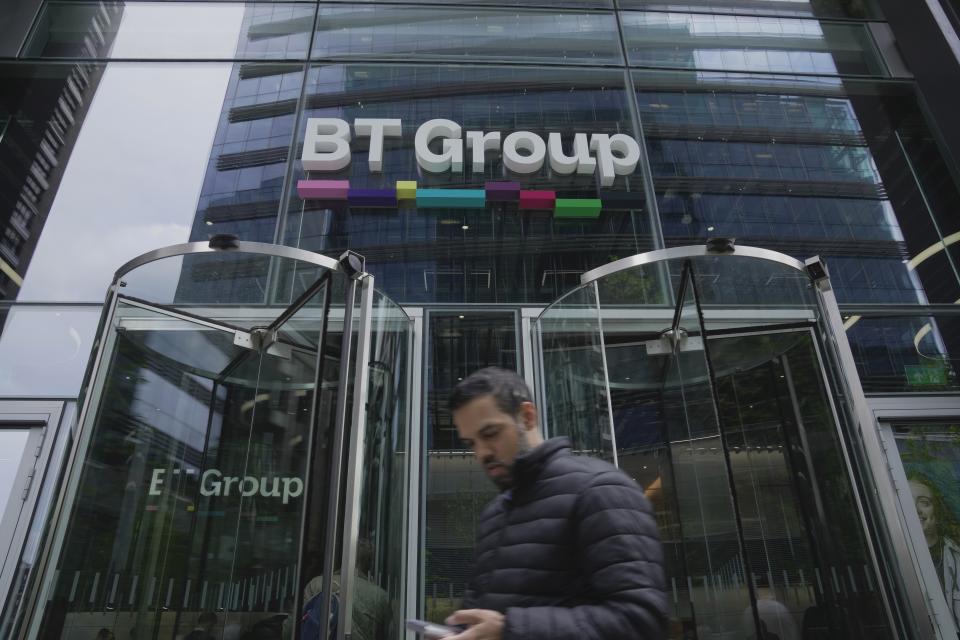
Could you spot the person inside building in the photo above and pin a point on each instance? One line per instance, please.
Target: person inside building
(941, 531)
(569, 549)
(206, 621)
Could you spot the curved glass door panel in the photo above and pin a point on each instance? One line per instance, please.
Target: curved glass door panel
(575, 391)
(705, 559)
(190, 484)
(237, 288)
(383, 493)
(184, 506)
(736, 423)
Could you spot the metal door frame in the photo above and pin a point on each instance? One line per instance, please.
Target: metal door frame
(864, 427)
(44, 420)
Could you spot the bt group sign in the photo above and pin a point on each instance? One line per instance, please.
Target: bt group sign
(327, 148)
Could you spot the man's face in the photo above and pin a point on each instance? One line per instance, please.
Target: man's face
(923, 499)
(495, 437)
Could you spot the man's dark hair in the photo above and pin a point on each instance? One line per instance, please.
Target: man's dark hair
(508, 389)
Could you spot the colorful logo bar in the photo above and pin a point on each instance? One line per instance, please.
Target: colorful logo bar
(406, 193)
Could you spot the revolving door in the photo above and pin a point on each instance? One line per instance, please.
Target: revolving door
(239, 465)
(712, 376)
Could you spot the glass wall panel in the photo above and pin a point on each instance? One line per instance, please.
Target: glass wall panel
(804, 166)
(432, 33)
(906, 353)
(498, 253)
(807, 554)
(172, 30)
(930, 453)
(862, 9)
(746, 43)
(566, 4)
(380, 581)
(243, 184)
(457, 488)
(111, 160)
(44, 350)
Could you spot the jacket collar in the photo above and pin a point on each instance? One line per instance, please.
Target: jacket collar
(528, 465)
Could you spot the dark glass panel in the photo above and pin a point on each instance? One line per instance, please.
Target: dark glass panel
(745, 43)
(172, 30)
(495, 254)
(805, 166)
(563, 4)
(243, 183)
(457, 489)
(410, 32)
(906, 354)
(807, 553)
(862, 9)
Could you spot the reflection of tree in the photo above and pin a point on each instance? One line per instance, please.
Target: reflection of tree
(637, 286)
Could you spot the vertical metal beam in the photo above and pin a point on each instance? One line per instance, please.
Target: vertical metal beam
(336, 463)
(606, 375)
(415, 469)
(867, 432)
(311, 479)
(355, 454)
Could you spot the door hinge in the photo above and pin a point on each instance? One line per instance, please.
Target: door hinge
(26, 489)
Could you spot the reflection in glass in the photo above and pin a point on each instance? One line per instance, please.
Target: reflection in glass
(496, 254)
(471, 35)
(173, 30)
(931, 459)
(730, 427)
(907, 353)
(380, 580)
(797, 8)
(188, 499)
(45, 349)
(243, 183)
(796, 502)
(155, 144)
(12, 444)
(805, 166)
(574, 375)
(457, 488)
(746, 43)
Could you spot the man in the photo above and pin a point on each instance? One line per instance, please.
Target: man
(206, 621)
(569, 549)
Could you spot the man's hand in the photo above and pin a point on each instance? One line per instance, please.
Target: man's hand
(483, 624)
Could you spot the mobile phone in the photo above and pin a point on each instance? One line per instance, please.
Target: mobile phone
(431, 630)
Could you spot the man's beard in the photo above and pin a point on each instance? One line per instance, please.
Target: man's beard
(507, 480)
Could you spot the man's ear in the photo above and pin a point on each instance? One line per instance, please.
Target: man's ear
(528, 414)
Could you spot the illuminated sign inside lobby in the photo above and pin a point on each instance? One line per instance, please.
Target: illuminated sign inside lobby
(214, 483)
(326, 147)
(441, 146)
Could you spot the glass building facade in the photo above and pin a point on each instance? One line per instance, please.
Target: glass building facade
(797, 126)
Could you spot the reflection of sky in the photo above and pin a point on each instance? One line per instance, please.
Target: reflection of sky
(12, 442)
(162, 30)
(46, 349)
(133, 177)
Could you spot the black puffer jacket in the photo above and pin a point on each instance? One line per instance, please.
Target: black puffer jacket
(570, 553)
